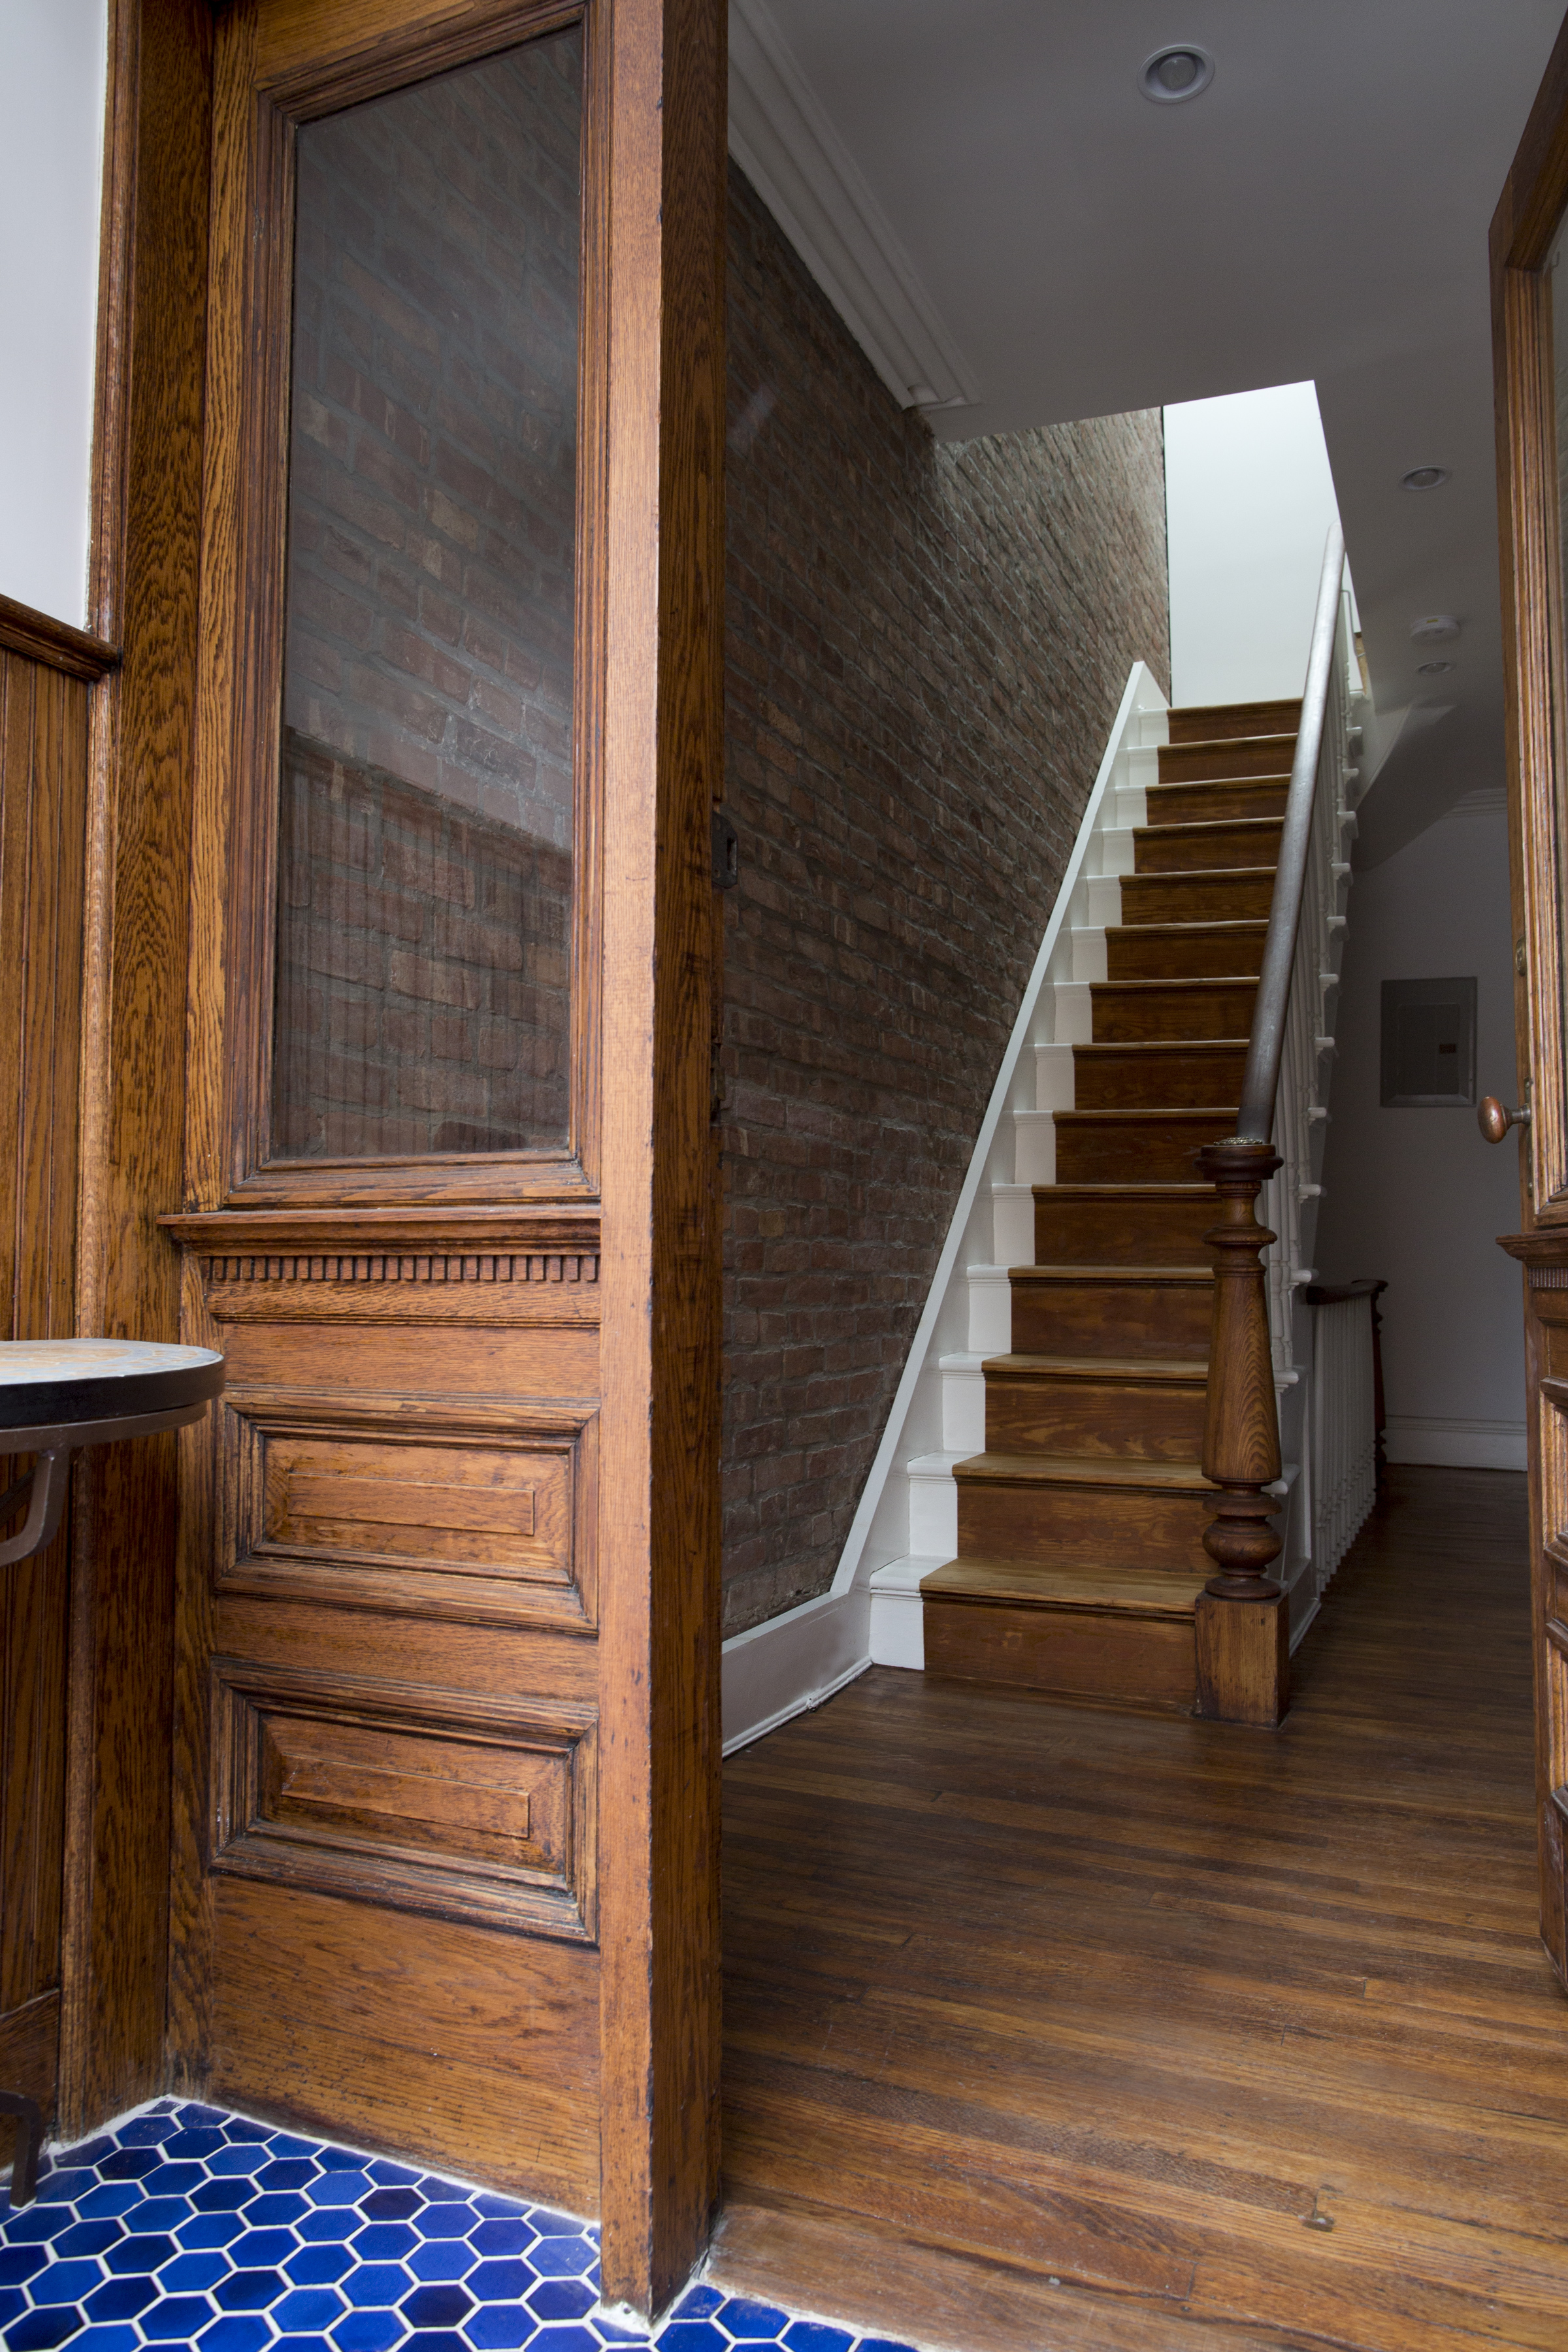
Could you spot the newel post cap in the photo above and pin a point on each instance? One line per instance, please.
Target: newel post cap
(1237, 1161)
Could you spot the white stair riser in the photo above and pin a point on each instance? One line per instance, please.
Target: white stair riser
(1075, 1013)
(963, 1408)
(1036, 1145)
(1104, 901)
(898, 1630)
(1088, 951)
(1014, 1223)
(1054, 1076)
(934, 1512)
(991, 1309)
(1118, 854)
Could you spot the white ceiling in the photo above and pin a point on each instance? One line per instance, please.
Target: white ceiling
(982, 189)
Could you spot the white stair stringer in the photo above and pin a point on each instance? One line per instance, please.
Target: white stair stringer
(906, 1522)
(969, 1315)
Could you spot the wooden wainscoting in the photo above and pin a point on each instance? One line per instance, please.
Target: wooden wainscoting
(44, 712)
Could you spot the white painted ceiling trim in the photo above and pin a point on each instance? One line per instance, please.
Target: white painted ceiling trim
(789, 150)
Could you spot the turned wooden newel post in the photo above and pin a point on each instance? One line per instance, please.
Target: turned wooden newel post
(1242, 1623)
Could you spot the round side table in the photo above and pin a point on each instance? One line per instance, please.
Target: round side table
(57, 1396)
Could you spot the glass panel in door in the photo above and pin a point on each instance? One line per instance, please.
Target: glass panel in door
(424, 859)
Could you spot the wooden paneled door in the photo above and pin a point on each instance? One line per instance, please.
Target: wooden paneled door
(1530, 303)
(446, 1738)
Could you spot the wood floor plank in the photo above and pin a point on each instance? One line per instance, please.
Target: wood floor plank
(1239, 2039)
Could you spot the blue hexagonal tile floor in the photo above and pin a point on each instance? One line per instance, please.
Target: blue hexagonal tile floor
(189, 2225)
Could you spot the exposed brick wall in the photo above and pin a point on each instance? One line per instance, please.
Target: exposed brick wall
(430, 583)
(926, 647)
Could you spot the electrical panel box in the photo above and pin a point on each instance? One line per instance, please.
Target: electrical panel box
(1428, 1044)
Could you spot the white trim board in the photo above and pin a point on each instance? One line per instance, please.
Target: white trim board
(785, 143)
(1456, 1444)
(789, 1664)
(794, 1661)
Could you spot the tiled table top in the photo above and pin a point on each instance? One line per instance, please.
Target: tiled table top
(189, 2225)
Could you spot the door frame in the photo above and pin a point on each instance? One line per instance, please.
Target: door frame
(1533, 201)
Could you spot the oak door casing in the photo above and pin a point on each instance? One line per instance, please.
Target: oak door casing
(1528, 220)
(43, 801)
(447, 1732)
(143, 597)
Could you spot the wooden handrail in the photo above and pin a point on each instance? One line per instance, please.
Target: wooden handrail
(1242, 1621)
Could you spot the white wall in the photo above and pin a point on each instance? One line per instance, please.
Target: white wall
(1249, 502)
(1416, 1196)
(52, 71)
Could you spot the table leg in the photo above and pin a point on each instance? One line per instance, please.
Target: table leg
(50, 1476)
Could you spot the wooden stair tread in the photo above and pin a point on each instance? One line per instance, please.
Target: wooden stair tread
(1281, 736)
(1146, 1111)
(1083, 1470)
(1102, 1368)
(1026, 1583)
(1185, 979)
(1185, 1274)
(1154, 1191)
(1270, 780)
(1228, 723)
(1201, 874)
(1229, 924)
(1179, 784)
(1111, 1047)
(1192, 824)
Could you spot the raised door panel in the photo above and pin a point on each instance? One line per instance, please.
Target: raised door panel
(1530, 314)
(450, 1802)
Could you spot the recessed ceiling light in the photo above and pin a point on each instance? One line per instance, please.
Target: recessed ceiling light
(1434, 625)
(1434, 669)
(1178, 72)
(1423, 477)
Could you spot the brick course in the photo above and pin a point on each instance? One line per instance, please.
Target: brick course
(926, 645)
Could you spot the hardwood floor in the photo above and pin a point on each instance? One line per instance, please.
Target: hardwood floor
(1051, 2028)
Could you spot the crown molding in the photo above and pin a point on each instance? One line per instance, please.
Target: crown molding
(788, 149)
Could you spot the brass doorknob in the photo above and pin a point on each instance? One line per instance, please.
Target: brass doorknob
(1494, 1120)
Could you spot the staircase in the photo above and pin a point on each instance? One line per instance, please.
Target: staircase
(1079, 1552)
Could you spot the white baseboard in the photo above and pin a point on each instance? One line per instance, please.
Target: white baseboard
(791, 1663)
(1456, 1444)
